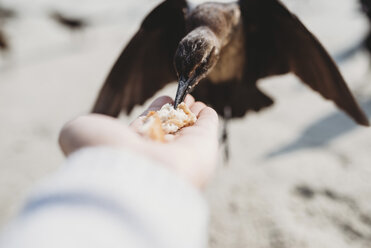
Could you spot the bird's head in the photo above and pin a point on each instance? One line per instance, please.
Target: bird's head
(195, 57)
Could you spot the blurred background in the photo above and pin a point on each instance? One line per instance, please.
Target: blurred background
(299, 173)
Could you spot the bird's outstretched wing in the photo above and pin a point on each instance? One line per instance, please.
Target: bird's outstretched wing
(146, 64)
(277, 43)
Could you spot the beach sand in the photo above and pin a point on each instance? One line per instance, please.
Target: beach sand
(299, 173)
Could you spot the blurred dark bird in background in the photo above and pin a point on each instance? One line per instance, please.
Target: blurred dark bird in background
(71, 23)
(224, 49)
(366, 7)
(365, 43)
(4, 44)
(6, 13)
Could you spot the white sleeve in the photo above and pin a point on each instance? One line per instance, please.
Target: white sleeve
(107, 198)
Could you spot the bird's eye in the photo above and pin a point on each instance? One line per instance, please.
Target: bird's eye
(206, 60)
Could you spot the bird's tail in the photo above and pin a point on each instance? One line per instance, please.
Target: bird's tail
(257, 100)
(249, 98)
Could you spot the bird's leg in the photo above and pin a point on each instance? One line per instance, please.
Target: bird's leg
(224, 139)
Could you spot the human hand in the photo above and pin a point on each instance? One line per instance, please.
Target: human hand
(192, 153)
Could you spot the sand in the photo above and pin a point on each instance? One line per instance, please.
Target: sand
(299, 173)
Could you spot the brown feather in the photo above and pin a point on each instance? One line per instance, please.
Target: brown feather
(146, 64)
(277, 43)
(274, 42)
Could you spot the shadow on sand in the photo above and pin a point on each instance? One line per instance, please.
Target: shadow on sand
(322, 132)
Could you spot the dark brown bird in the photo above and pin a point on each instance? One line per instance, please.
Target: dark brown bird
(6, 13)
(4, 45)
(72, 23)
(366, 7)
(224, 49)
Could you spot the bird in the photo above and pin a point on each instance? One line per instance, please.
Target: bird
(4, 44)
(7, 13)
(74, 24)
(219, 51)
(366, 7)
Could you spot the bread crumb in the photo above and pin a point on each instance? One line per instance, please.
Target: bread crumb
(167, 121)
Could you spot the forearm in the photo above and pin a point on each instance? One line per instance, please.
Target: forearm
(109, 198)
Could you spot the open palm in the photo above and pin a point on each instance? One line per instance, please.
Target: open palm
(192, 153)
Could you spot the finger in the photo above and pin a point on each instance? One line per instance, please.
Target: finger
(189, 100)
(205, 128)
(197, 107)
(94, 130)
(207, 119)
(136, 124)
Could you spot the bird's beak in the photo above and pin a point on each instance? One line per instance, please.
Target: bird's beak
(184, 87)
